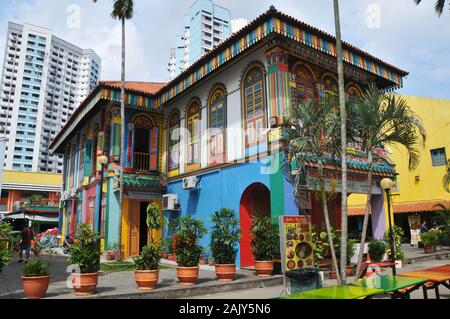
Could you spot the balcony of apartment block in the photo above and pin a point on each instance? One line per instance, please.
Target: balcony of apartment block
(36, 205)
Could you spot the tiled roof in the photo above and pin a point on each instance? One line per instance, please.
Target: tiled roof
(406, 208)
(134, 86)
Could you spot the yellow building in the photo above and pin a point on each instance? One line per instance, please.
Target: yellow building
(419, 190)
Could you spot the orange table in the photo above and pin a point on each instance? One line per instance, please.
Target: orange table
(444, 269)
(435, 278)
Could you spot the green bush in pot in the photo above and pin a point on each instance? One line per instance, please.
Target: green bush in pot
(225, 236)
(264, 244)
(377, 249)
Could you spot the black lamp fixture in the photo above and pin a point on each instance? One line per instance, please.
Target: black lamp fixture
(387, 184)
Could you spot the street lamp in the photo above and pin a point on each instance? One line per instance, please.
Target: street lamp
(387, 184)
(102, 160)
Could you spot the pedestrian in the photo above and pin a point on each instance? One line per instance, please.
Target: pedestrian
(25, 242)
(423, 227)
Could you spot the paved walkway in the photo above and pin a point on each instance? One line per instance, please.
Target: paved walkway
(122, 284)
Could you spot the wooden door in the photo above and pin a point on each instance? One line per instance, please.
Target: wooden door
(134, 213)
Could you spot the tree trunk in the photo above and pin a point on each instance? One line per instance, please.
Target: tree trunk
(343, 113)
(122, 136)
(366, 216)
(323, 196)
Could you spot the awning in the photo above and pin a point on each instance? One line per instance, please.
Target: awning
(406, 208)
(39, 218)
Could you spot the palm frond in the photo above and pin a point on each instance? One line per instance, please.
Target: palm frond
(446, 178)
(438, 6)
(123, 9)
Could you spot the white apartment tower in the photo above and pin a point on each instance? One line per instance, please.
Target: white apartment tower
(44, 79)
(205, 27)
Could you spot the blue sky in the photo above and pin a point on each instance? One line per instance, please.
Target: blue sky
(397, 31)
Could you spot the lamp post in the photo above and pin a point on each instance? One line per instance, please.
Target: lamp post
(387, 184)
(102, 160)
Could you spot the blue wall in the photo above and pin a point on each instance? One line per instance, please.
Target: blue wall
(222, 188)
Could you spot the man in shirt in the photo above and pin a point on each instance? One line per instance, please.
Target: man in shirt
(25, 242)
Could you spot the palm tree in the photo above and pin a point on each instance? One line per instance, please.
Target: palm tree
(383, 119)
(438, 6)
(312, 131)
(122, 10)
(446, 178)
(343, 112)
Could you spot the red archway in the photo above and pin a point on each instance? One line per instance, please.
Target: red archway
(254, 201)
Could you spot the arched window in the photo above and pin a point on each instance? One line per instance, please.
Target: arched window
(253, 92)
(173, 142)
(329, 84)
(107, 136)
(94, 151)
(305, 83)
(81, 162)
(143, 144)
(353, 92)
(193, 143)
(216, 126)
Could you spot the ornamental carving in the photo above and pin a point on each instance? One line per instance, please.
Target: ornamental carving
(277, 55)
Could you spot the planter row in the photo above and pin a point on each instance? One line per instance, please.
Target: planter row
(146, 280)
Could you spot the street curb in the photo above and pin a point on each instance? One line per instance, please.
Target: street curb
(197, 290)
(432, 256)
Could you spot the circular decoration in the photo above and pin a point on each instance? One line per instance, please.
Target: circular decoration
(300, 263)
(291, 254)
(303, 250)
(290, 244)
(291, 264)
(302, 237)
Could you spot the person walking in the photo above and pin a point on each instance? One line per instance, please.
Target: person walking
(25, 242)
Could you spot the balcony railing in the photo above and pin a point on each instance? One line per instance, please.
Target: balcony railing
(141, 162)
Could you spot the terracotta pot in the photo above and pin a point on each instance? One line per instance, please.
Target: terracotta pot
(84, 284)
(128, 169)
(333, 275)
(349, 271)
(428, 249)
(203, 261)
(225, 272)
(146, 279)
(35, 287)
(264, 268)
(187, 275)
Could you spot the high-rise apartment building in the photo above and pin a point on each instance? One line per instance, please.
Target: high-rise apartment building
(43, 80)
(205, 26)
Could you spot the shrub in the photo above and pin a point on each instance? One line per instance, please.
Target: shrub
(225, 236)
(377, 249)
(430, 238)
(264, 238)
(187, 233)
(85, 252)
(36, 268)
(149, 258)
(398, 238)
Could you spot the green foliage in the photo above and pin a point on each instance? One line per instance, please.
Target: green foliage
(350, 249)
(187, 233)
(168, 245)
(149, 258)
(377, 249)
(85, 252)
(5, 255)
(264, 238)
(155, 220)
(36, 268)
(5, 240)
(398, 237)
(5, 231)
(225, 236)
(430, 239)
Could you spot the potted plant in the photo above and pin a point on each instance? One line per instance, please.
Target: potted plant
(224, 238)
(111, 252)
(203, 256)
(264, 240)
(35, 279)
(398, 237)
(351, 243)
(147, 264)
(85, 253)
(440, 240)
(169, 247)
(377, 250)
(5, 242)
(429, 240)
(187, 234)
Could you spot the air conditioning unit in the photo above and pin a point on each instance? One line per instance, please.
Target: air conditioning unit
(169, 201)
(190, 182)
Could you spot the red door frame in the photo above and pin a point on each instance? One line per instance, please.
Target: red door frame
(246, 212)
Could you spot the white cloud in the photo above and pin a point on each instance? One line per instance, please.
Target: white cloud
(238, 24)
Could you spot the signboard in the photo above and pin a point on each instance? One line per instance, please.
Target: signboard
(356, 183)
(296, 244)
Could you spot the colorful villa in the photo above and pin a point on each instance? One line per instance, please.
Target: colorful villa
(200, 143)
